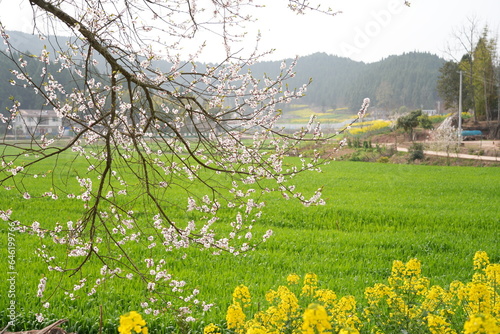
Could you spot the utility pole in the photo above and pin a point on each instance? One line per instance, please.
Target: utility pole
(496, 81)
(460, 112)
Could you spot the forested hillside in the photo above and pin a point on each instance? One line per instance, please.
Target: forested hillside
(405, 80)
(12, 89)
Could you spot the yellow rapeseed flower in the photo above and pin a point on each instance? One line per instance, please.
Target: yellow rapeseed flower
(272, 316)
(480, 297)
(289, 302)
(481, 260)
(379, 292)
(481, 324)
(407, 277)
(311, 279)
(344, 314)
(293, 279)
(271, 296)
(235, 318)
(492, 272)
(284, 308)
(326, 296)
(310, 284)
(242, 294)
(132, 321)
(397, 273)
(370, 126)
(348, 331)
(211, 329)
(254, 327)
(347, 304)
(413, 268)
(315, 320)
(406, 300)
(438, 325)
(457, 288)
(436, 297)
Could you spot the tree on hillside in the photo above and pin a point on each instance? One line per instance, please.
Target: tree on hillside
(468, 92)
(424, 122)
(479, 86)
(142, 136)
(385, 96)
(485, 83)
(448, 84)
(466, 39)
(412, 120)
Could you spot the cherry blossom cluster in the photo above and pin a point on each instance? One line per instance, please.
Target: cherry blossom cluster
(146, 133)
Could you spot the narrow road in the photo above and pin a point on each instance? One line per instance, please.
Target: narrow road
(456, 155)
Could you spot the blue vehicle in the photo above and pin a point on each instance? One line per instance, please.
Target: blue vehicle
(473, 135)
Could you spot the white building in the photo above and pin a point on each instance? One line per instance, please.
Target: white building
(432, 112)
(30, 123)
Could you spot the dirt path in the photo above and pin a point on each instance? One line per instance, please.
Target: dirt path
(456, 155)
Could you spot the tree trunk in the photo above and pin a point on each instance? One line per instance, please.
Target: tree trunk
(495, 131)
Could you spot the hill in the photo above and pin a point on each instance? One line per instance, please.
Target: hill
(404, 80)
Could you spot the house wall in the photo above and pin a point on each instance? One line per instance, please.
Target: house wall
(31, 123)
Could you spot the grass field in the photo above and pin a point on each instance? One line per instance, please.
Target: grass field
(375, 213)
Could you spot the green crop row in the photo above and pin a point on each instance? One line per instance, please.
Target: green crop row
(375, 213)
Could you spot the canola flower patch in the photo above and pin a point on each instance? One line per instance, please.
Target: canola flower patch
(406, 303)
(371, 126)
(132, 322)
(301, 113)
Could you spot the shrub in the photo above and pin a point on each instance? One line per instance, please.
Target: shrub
(416, 152)
(360, 155)
(383, 160)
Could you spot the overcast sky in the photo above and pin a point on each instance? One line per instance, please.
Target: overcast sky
(367, 30)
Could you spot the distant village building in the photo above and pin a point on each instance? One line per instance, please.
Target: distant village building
(430, 112)
(30, 123)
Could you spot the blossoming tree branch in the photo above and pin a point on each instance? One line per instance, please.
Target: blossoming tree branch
(138, 136)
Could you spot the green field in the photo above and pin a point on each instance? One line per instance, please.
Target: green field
(302, 114)
(375, 213)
